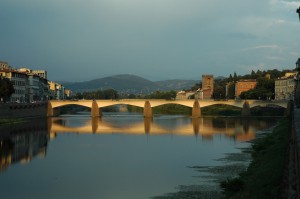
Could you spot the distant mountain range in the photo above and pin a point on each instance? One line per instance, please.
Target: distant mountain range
(129, 84)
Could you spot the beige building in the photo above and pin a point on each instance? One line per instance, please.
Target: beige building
(68, 93)
(183, 95)
(285, 87)
(203, 94)
(3, 65)
(57, 91)
(41, 73)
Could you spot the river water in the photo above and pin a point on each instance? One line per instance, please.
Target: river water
(121, 155)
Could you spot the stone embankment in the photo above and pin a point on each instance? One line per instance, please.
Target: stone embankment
(291, 177)
(296, 130)
(23, 110)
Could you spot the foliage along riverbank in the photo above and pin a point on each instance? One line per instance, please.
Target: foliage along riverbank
(263, 178)
(215, 110)
(11, 121)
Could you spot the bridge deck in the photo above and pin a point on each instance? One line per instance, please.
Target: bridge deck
(158, 102)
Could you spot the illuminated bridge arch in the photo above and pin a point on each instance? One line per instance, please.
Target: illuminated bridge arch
(148, 104)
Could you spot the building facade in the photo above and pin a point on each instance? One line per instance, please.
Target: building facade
(183, 95)
(31, 85)
(244, 85)
(3, 65)
(19, 81)
(41, 73)
(57, 91)
(285, 87)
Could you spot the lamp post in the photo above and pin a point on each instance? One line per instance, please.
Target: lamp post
(297, 84)
(297, 78)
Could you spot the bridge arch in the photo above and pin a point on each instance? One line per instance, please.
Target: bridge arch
(148, 104)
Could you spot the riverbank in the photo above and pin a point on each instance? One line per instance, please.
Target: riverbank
(263, 178)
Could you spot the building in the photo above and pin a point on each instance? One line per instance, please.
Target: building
(203, 94)
(37, 85)
(183, 95)
(285, 87)
(3, 65)
(208, 83)
(57, 91)
(41, 73)
(68, 93)
(244, 85)
(19, 81)
(32, 85)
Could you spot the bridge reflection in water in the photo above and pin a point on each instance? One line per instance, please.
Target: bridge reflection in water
(242, 129)
(22, 142)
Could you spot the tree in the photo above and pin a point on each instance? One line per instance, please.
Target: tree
(230, 78)
(253, 75)
(259, 73)
(6, 89)
(235, 78)
(231, 91)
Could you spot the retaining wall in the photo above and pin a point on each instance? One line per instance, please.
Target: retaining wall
(22, 110)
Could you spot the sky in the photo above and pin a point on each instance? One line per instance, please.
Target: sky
(77, 40)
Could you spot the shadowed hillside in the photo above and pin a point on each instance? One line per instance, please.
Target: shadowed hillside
(129, 84)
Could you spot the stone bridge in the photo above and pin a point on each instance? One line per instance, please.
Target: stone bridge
(148, 104)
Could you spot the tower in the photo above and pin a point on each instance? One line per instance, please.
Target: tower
(208, 83)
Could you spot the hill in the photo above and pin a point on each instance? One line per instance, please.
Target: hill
(128, 84)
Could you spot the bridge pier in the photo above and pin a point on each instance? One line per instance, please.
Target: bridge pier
(246, 109)
(95, 111)
(147, 109)
(52, 112)
(196, 111)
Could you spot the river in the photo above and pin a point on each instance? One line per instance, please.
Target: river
(121, 155)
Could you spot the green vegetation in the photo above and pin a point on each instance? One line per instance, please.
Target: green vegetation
(169, 95)
(267, 111)
(6, 89)
(11, 121)
(105, 94)
(265, 173)
(221, 110)
(172, 109)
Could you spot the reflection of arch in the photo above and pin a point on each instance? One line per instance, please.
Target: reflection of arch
(147, 124)
(196, 125)
(207, 127)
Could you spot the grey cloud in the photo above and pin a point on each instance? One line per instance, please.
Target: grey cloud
(159, 39)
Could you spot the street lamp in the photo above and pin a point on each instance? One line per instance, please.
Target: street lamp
(297, 86)
(298, 65)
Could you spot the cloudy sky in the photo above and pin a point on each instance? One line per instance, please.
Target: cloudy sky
(77, 40)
